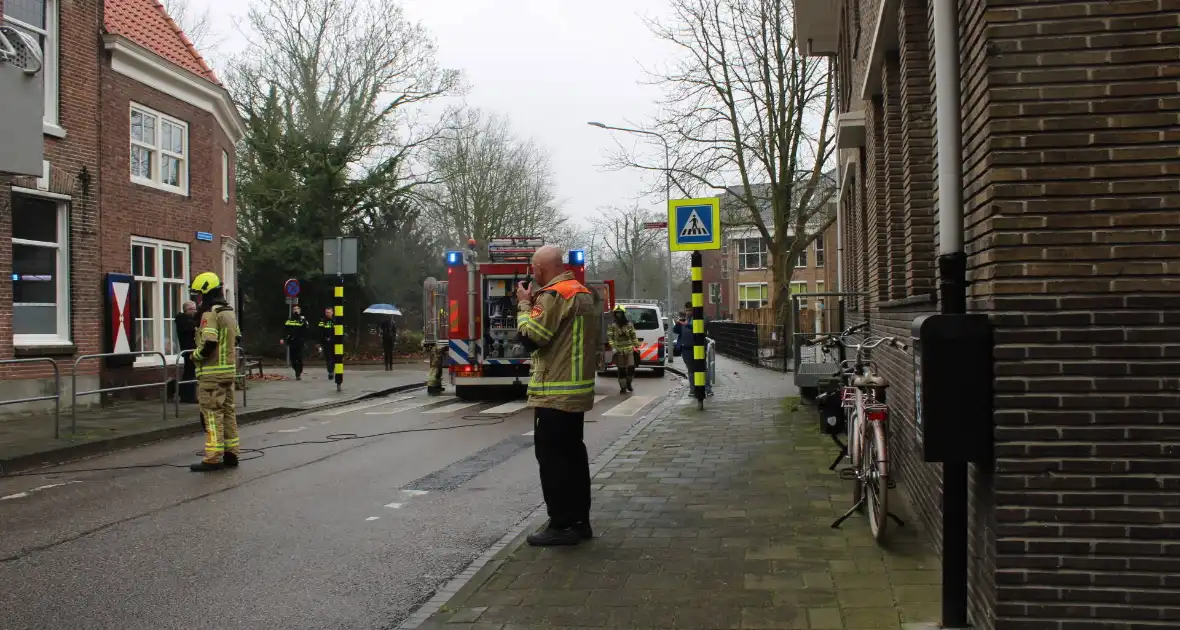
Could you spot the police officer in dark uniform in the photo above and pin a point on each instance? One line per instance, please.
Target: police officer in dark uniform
(327, 341)
(295, 331)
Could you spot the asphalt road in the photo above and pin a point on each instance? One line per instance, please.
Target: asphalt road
(349, 534)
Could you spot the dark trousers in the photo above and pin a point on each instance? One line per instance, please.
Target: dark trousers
(188, 391)
(564, 464)
(296, 350)
(330, 359)
(387, 346)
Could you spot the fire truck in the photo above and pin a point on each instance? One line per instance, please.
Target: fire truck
(473, 313)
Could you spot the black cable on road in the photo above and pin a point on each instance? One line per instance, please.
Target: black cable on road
(261, 451)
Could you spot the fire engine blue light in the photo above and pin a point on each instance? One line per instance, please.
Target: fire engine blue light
(577, 257)
(454, 258)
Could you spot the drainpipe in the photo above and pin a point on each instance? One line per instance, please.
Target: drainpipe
(952, 284)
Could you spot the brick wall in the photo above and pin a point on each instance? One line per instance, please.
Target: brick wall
(78, 150)
(1070, 118)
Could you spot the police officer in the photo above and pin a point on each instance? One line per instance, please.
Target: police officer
(295, 331)
(623, 340)
(327, 328)
(216, 359)
(559, 322)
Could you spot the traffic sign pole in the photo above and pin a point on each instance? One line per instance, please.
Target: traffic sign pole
(291, 289)
(698, 331)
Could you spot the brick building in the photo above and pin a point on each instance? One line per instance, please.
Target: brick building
(138, 179)
(740, 276)
(1070, 131)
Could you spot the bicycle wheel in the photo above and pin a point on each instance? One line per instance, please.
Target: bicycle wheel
(876, 481)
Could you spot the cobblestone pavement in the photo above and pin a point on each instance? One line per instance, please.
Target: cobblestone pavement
(714, 519)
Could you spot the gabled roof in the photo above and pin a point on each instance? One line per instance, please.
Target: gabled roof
(148, 24)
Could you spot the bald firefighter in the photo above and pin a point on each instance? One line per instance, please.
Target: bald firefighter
(559, 321)
(216, 359)
(623, 340)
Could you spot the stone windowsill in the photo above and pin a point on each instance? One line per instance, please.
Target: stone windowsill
(32, 352)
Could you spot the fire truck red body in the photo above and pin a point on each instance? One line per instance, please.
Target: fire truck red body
(474, 313)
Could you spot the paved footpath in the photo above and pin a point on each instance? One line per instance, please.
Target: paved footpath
(714, 519)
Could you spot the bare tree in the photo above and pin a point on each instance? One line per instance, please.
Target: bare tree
(626, 242)
(743, 105)
(489, 182)
(197, 26)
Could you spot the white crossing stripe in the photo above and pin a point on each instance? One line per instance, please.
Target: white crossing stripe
(599, 398)
(372, 518)
(403, 407)
(630, 407)
(511, 407)
(394, 506)
(416, 493)
(527, 434)
(451, 408)
(368, 405)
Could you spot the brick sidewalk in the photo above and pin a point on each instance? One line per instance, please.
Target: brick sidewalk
(714, 519)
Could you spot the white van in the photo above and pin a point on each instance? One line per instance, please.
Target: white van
(649, 323)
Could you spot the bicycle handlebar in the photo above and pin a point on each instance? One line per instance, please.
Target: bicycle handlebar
(824, 339)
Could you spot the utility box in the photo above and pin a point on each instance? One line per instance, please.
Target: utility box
(22, 106)
(953, 392)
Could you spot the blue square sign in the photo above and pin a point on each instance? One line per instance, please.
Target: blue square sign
(693, 224)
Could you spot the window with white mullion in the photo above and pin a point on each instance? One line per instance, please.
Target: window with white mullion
(160, 269)
(159, 150)
(40, 270)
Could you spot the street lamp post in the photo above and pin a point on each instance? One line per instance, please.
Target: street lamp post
(667, 197)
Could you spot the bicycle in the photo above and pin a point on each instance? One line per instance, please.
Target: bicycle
(862, 397)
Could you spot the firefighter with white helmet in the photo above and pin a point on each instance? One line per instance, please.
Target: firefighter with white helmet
(216, 359)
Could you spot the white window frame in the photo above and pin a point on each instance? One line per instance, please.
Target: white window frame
(158, 152)
(763, 254)
(802, 302)
(160, 319)
(819, 252)
(762, 301)
(50, 64)
(62, 338)
(229, 269)
(224, 176)
(801, 262)
(714, 293)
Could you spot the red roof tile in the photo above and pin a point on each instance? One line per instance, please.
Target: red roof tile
(147, 23)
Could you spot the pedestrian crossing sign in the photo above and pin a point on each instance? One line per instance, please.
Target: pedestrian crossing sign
(694, 224)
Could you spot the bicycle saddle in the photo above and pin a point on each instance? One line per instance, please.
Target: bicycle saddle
(872, 380)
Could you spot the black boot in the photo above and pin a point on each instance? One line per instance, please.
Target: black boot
(550, 537)
(584, 530)
(231, 460)
(206, 467)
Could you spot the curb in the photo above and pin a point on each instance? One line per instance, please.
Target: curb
(73, 452)
(485, 566)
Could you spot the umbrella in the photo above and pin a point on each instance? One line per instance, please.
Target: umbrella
(383, 309)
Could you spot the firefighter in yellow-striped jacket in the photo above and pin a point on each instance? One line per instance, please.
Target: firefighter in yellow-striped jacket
(216, 359)
(623, 340)
(559, 322)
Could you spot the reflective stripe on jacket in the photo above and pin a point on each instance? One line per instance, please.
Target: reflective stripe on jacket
(219, 325)
(561, 324)
(296, 328)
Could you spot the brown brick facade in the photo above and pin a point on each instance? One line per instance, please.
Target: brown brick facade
(1071, 180)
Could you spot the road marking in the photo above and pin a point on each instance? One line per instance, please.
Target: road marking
(630, 407)
(506, 408)
(372, 518)
(416, 493)
(599, 398)
(527, 434)
(369, 405)
(292, 430)
(21, 495)
(450, 408)
(395, 506)
(405, 407)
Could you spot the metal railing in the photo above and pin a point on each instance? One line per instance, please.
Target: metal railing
(56, 397)
(710, 363)
(74, 393)
(239, 376)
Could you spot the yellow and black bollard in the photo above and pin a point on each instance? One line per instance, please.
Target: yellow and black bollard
(338, 333)
(698, 331)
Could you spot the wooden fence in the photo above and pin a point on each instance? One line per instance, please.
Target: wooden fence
(766, 316)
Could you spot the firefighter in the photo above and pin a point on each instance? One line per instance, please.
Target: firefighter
(295, 330)
(216, 359)
(327, 328)
(559, 322)
(437, 355)
(623, 340)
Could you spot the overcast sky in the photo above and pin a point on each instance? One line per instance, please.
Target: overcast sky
(551, 66)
